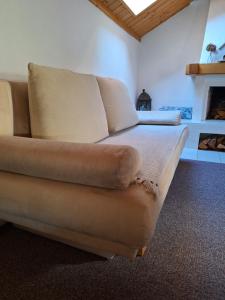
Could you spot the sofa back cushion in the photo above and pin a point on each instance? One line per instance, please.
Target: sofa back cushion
(65, 106)
(120, 110)
(6, 109)
(14, 108)
(21, 114)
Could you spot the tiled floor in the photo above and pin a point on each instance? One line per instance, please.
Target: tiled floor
(211, 156)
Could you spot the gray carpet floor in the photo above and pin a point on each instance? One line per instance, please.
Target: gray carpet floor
(186, 259)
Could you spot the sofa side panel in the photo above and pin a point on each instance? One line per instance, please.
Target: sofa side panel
(127, 217)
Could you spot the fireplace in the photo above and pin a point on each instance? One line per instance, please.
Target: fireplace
(216, 103)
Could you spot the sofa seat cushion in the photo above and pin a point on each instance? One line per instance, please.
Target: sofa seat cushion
(65, 106)
(159, 148)
(120, 110)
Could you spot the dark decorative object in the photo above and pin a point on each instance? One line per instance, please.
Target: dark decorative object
(144, 101)
(212, 142)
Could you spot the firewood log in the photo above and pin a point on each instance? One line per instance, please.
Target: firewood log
(202, 146)
(212, 144)
(221, 147)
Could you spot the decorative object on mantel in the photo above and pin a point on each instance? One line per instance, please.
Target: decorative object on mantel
(144, 102)
(186, 112)
(212, 49)
(212, 142)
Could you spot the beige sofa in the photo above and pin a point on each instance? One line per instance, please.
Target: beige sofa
(104, 197)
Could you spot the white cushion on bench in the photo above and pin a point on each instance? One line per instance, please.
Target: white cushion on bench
(159, 117)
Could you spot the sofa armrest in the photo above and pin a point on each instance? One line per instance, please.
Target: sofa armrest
(99, 165)
(159, 117)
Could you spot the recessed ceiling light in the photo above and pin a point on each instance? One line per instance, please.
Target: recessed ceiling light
(137, 6)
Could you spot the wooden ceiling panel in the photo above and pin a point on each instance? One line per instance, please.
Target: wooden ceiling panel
(139, 25)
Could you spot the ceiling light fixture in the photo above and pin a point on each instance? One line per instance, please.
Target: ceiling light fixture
(137, 6)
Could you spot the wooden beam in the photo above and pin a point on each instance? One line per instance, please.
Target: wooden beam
(118, 21)
(205, 69)
(164, 12)
(192, 69)
(138, 25)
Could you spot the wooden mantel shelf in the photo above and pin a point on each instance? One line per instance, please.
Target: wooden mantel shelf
(205, 69)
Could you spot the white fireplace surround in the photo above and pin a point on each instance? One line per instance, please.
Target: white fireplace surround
(199, 123)
(202, 87)
(214, 32)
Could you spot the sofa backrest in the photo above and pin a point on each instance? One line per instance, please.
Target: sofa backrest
(15, 114)
(14, 109)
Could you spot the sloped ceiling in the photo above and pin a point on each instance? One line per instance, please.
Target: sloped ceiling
(139, 25)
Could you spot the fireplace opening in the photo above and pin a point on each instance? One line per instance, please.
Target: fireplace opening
(216, 108)
(212, 142)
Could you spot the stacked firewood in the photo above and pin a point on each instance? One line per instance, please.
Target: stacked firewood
(218, 114)
(216, 143)
(218, 111)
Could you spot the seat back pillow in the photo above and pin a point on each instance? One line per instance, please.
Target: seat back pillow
(120, 110)
(65, 106)
(6, 109)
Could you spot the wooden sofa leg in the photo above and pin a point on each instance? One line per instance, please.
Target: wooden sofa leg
(141, 251)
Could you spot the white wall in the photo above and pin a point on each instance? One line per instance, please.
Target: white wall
(166, 50)
(215, 29)
(71, 34)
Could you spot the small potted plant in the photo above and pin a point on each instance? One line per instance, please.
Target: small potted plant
(212, 49)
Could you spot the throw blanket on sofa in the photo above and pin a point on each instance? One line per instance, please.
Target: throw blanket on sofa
(159, 147)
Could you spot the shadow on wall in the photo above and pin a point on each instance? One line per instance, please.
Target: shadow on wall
(13, 77)
(108, 54)
(113, 58)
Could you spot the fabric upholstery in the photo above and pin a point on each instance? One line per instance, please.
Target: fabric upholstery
(87, 210)
(65, 106)
(6, 109)
(159, 117)
(120, 110)
(124, 216)
(14, 109)
(21, 114)
(157, 146)
(109, 166)
(99, 246)
(105, 221)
